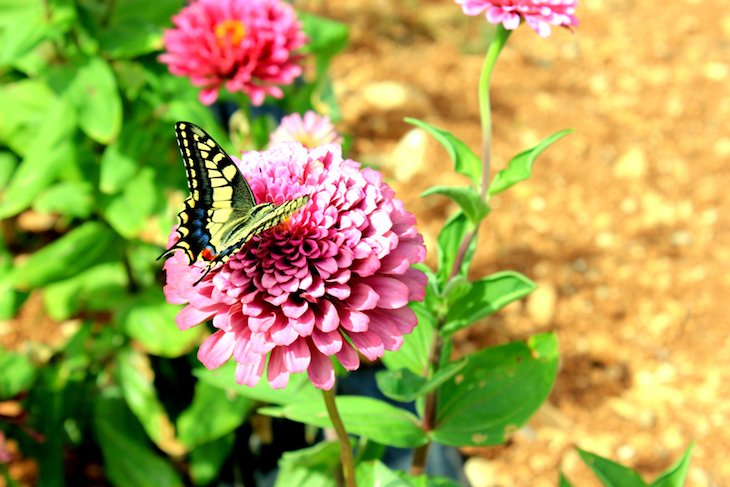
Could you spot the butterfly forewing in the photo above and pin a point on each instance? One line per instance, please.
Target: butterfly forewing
(221, 213)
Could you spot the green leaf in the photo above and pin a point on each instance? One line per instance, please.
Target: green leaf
(69, 198)
(486, 296)
(129, 461)
(206, 460)
(496, 392)
(25, 107)
(315, 466)
(17, 374)
(520, 167)
(676, 474)
(405, 386)
(75, 252)
(467, 198)
(96, 96)
(449, 242)
(299, 389)
(213, 414)
(611, 474)
(427, 481)
(129, 211)
(377, 474)
(395, 426)
(8, 163)
(23, 34)
(98, 288)
(44, 159)
(465, 161)
(137, 380)
(121, 159)
(132, 38)
(413, 354)
(150, 320)
(327, 37)
(564, 481)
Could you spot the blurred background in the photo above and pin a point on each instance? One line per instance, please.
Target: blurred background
(624, 223)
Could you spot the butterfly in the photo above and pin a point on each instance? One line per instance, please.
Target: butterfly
(221, 213)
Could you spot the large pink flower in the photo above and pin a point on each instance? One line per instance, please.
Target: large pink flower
(335, 278)
(246, 44)
(312, 130)
(538, 14)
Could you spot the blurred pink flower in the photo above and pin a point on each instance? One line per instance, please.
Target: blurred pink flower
(538, 14)
(312, 131)
(246, 44)
(335, 278)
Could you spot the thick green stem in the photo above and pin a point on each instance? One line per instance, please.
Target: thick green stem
(348, 462)
(500, 38)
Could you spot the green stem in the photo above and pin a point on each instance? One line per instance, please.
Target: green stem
(348, 462)
(500, 38)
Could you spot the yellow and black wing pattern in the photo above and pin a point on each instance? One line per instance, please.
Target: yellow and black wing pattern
(221, 213)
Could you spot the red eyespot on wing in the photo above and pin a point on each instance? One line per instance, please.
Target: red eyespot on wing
(207, 254)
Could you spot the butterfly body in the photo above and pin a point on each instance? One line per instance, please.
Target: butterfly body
(221, 213)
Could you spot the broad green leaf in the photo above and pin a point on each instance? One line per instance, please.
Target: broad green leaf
(395, 426)
(676, 474)
(465, 161)
(611, 474)
(327, 37)
(137, 380)
(69, 198)
(150, 320)
(427, 481)
(377, 474)
(496, 392)
(96, 96)
(22, 35)
(520, 167)
(131, 39)
(405, 386)
(8, 163)
(467, 198)
(413, 354)
(99, 288)
(129, 211)
(76, 251)
(564, 481)
(43, 160)
(25, 106)
(17, 374)
(213, 414)
(315, 466)
(449, 241)
(486, 296)
(121, 159)
(206, 460)
(129, 460)
(299, 389)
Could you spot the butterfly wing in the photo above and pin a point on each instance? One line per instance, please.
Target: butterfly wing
(221, 213)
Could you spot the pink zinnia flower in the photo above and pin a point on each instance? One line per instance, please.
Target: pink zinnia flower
(246, 44)
(538, 14)
(312, 131)
(335, 278)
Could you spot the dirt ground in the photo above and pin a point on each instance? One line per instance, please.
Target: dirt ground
(624, 223)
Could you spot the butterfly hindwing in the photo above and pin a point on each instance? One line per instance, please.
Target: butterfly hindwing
(221, 213)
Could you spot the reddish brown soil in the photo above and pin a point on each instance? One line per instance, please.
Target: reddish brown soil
(624, 223)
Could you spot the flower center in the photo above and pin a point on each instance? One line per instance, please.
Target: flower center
(230, 32)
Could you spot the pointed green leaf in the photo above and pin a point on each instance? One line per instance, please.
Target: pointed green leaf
(8, 163)
(611, 474)
(413, 354)
(676, 474)
(129, 211)
(376, 473)
(496, 392)
(467, 198)
(395, 426)
(96, 96)
(449, 241)
(486, 296)
(206, 460)
(129, 459)
(315, 466)
(520, 167)
(23, 34)
(26, 106)
(405, 386)
(564, 481)
(427, 480)
(465, 161)
(69, 198)
(76, 251)
(213, 414)
(17, 374)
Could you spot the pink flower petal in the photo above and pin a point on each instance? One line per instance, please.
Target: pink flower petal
(216, 349)
(276, 372)
(297, 356)
(321, 371)
(250, 374)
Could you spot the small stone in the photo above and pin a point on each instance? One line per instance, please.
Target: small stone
(481, 472)
(409, 155)
(681, 238)
(716, 71)
(392, 95)
(33, 222)
(541, 304)
(631, 165)
(625, 452)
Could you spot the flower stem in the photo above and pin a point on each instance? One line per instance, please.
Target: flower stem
(348, 462)
(500, 38)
